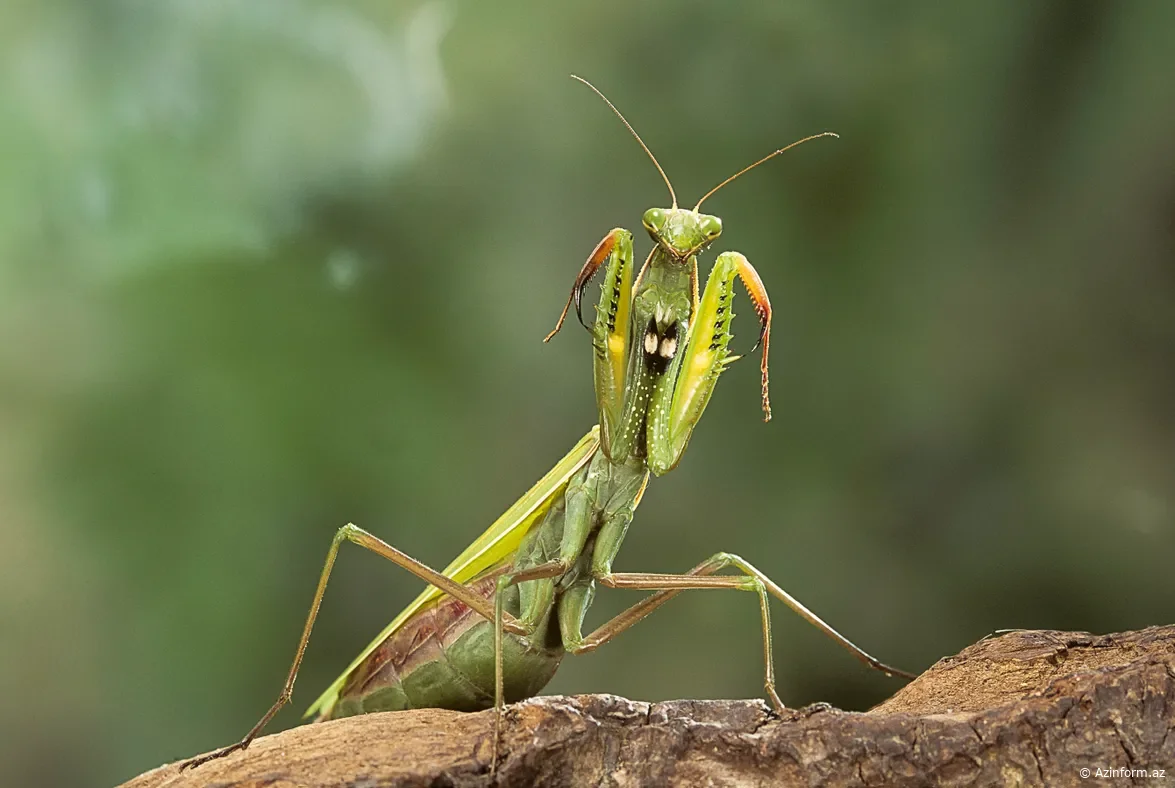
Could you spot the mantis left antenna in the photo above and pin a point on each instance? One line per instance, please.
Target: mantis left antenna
(632, 131)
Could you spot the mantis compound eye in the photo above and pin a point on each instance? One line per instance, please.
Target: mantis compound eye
(711, 227)
(654, 220)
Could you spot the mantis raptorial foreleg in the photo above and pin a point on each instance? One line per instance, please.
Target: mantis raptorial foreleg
(356, 535)
(679, 402)
(615, 246)
(610, 330)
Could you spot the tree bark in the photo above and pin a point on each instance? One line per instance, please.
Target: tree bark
(1029, 708)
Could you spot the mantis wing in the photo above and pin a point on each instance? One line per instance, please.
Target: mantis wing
(498, 542)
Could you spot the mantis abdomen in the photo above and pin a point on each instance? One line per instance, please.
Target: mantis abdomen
(443, 657)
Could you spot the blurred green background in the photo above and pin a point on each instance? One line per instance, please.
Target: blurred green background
(269, 267)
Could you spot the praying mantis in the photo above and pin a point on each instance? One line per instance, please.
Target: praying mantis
(494, 625)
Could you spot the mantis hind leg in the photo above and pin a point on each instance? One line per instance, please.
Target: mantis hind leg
(352, 533)
(702, 576)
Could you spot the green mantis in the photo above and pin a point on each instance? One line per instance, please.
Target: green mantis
(494, 625)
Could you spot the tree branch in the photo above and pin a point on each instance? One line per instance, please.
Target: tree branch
(1029, 708)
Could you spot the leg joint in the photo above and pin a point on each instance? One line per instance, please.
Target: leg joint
(583, 647)
(756, 585)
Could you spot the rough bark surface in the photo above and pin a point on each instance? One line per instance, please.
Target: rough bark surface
(1031, 708)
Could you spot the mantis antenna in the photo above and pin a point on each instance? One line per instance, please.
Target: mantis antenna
(756, 164)
(631, 130)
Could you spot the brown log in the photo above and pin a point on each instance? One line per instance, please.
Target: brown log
(1031, 708)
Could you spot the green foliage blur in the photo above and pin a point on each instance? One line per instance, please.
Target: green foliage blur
(269, 267)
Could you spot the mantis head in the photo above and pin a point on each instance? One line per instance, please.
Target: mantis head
(681, 232)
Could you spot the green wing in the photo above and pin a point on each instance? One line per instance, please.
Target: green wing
(499, 541)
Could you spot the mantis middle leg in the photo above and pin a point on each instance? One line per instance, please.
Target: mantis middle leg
(702, 576)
